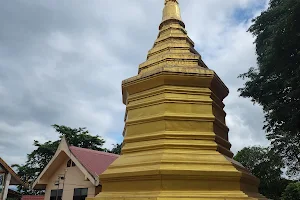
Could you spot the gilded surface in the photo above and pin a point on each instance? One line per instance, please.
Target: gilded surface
(171, 10)
(175, 136)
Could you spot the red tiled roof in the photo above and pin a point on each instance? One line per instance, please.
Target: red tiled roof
(32, 197)
(96, 162)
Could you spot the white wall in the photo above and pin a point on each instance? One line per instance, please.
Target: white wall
(74, 178)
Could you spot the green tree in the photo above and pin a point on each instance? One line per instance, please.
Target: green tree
(39, 158)
(27, 174)
(265, 165)
(274, 84)
(292, 192)
(117, 149)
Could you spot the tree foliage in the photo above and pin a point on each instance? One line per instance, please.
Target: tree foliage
(39, 158)
(274, 84)
(292, 192)
(266, 165)
(117, 149)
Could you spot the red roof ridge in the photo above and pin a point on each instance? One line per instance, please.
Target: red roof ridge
(94, 151)
(33, 197)
(95, 162)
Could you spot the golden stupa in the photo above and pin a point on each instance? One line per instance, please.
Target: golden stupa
(175, 137)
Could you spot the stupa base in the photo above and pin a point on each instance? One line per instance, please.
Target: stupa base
(203, 195)
(177, 174)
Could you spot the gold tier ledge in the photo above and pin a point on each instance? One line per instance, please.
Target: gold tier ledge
(175, 136)
(180, 76)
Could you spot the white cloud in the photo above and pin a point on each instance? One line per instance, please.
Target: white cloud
(60, 42)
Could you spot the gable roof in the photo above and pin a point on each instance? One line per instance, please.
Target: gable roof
(15, 179)
(96, 162)
(90, 162)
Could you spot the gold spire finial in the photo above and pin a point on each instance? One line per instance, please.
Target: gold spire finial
(166, 1)
(171, 10)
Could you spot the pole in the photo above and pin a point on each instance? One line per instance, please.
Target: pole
(64, 179)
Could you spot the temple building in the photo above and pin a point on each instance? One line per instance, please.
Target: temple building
(175, 137)
(8, 178)
(73, 173)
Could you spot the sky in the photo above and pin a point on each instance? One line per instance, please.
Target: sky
(63, 61)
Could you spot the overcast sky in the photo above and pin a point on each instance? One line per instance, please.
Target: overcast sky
(62, 62)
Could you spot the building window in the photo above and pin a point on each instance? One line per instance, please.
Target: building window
(70, 163)
(56, 194)
(80, 193)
